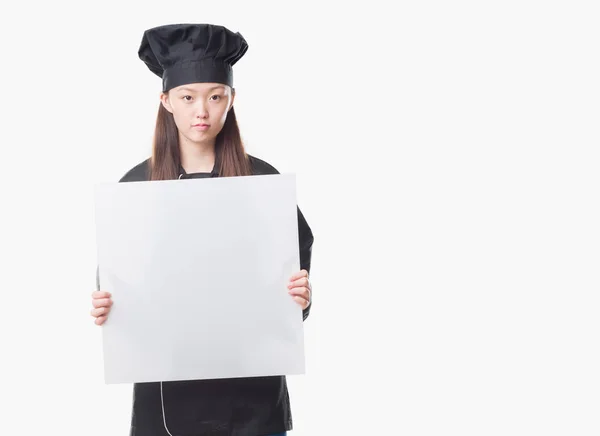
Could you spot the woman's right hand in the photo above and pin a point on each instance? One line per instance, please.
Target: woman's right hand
(102, 302)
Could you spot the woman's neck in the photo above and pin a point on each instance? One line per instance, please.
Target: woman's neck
(197, 157)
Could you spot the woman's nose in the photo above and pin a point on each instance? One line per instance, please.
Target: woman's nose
(201, 112)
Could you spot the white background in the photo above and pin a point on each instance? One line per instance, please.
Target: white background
(447, 161)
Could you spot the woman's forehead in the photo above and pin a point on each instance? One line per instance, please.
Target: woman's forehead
(200, 87)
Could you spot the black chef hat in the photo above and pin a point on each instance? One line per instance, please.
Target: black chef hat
(191, 53)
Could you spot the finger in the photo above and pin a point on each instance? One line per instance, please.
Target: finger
(100, 320)
(100, 311)
(101, 302)
(299, 274)
(100, 294)
(301, 282)
(302, 302)
(300, 292)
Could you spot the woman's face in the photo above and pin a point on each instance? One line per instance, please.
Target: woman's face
(199, 109)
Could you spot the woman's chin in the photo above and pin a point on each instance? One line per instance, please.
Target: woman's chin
(201, 138)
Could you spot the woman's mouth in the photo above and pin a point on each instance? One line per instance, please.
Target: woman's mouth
(201, 126)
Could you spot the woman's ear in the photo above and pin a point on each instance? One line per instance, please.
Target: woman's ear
(232, 99)
(164, 99)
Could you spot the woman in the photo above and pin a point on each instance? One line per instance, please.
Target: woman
(197, 136)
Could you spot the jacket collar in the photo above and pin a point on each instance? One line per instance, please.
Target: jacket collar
(214, 173)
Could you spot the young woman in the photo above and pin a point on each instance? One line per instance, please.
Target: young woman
(197, 136)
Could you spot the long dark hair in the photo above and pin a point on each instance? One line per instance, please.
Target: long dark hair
(229, 149)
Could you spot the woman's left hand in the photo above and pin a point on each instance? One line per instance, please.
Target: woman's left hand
(299, 288)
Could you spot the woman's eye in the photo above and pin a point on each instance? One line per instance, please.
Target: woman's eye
(216, 97)
(187, 97)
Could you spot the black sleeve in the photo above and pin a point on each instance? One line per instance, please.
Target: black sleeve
(306, 239)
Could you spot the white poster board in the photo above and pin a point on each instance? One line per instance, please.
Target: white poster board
(198, 270)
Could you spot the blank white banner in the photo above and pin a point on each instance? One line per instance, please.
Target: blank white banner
(198, 270)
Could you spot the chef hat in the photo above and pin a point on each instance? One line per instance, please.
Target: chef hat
(191, 53)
